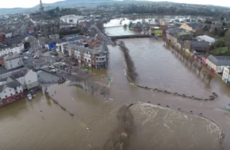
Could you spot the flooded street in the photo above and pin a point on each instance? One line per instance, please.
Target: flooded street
(24, 126)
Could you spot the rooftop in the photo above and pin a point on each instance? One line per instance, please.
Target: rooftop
(206, 38)
(11, 56)
(219, 60)
(3, 70)
(199, 44)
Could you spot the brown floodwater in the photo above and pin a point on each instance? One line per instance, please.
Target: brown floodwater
(24, 126)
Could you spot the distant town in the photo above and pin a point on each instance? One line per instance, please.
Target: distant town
(76, 46)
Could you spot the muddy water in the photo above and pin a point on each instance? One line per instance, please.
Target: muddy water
(115, 26)
(24, 127)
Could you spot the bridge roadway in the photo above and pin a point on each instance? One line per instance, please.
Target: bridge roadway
(129, 36)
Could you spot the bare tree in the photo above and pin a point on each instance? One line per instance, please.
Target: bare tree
(204, 72)
(210, 77)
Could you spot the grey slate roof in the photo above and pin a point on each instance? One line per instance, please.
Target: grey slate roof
(20, 73)
(83, 49)
(13, 84)
(199, 44)
(219, 60)
(12, 56)
(70, 38)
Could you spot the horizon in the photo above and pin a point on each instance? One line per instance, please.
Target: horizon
(32, 3)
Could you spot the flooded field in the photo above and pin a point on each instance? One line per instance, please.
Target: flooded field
(44, 125)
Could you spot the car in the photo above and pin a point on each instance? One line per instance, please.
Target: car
(36, 56)
(51, 67)
(53, 70)
(25, 57)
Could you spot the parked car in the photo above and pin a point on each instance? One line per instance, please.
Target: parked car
(53, 70)
(25, 57)
(51, 67)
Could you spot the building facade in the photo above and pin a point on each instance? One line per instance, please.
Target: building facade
(12, 61)
(31, 79)
(226, 74)
(217, 63)
(97, 59)
(12, 49)
(10, 92)
(70, 19)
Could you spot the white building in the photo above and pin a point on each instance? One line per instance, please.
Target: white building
(10, 92)
(31, 79)
(27, 78)
(226, 74)
(70, 19)
(12, 60)
(217, 63)
(14, 49)
(206, 38)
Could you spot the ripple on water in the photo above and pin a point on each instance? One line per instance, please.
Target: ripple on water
(164, 129)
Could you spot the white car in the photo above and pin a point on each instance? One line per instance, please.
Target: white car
(29, 96)
(25, 57)
(53, 70)
(51, 67)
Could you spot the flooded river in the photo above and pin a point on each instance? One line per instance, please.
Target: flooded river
(24, 126)
(94, 120)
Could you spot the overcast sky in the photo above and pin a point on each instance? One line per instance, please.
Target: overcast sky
(31, 3)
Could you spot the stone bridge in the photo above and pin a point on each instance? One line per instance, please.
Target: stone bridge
(129, 36)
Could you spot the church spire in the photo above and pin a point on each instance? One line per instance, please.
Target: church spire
(41, 9)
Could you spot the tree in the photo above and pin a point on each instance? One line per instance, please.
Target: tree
(199, 68)
(227, 38)
(204, 72)
(210, 77)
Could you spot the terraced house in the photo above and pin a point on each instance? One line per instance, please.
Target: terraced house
(10, 92)
(217, 63)
(197, 46)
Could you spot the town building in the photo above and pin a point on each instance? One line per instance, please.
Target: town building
(70, 19)
(27, 78)
(67, 40)
(163, 22)
(12, 45)
(12, 60)
(217, 63)
(157, 31)
(97, 59)
(191, 27)
(198, 46)
(226, 75)
(10, 92)
(206, 38)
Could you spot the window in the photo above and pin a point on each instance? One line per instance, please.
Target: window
(4, 91)
(5, 96)
(10, 89)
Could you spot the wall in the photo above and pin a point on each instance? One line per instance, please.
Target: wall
(31, 79)
(11, 99)
(13, 63)
(21, 80)
(17, 49)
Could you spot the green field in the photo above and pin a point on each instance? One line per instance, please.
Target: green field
(79, 86)
(221, 51)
